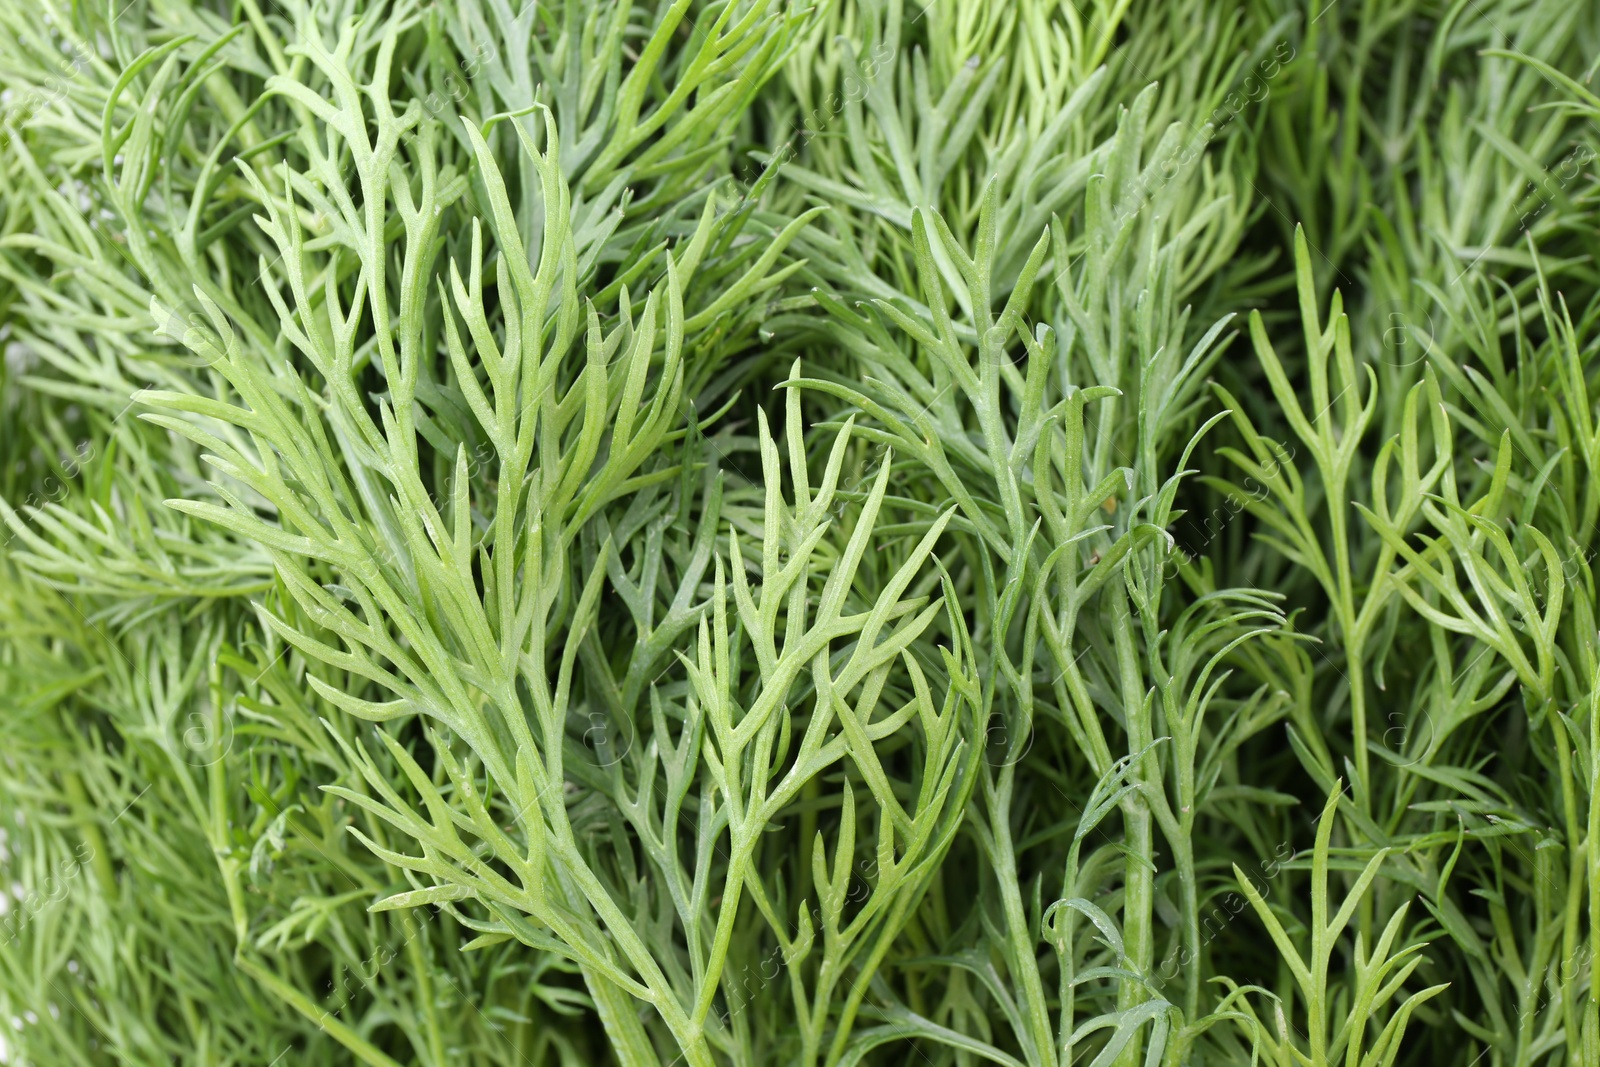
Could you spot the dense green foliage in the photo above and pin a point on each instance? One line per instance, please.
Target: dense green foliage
(774, 532)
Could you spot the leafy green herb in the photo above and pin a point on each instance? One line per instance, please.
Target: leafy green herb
(749, 532)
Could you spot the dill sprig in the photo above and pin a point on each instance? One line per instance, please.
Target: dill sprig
(750, 532)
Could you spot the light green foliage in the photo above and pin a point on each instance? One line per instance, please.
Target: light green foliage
(757, 532)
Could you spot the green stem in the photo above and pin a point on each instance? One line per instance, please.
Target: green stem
(1139, 875)
(82, 811)
(1022, 949)
(367, 1052)
(1183, 860)
(422, 967)
(624, 1030)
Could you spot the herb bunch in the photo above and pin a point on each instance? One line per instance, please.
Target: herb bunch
(749, 532)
